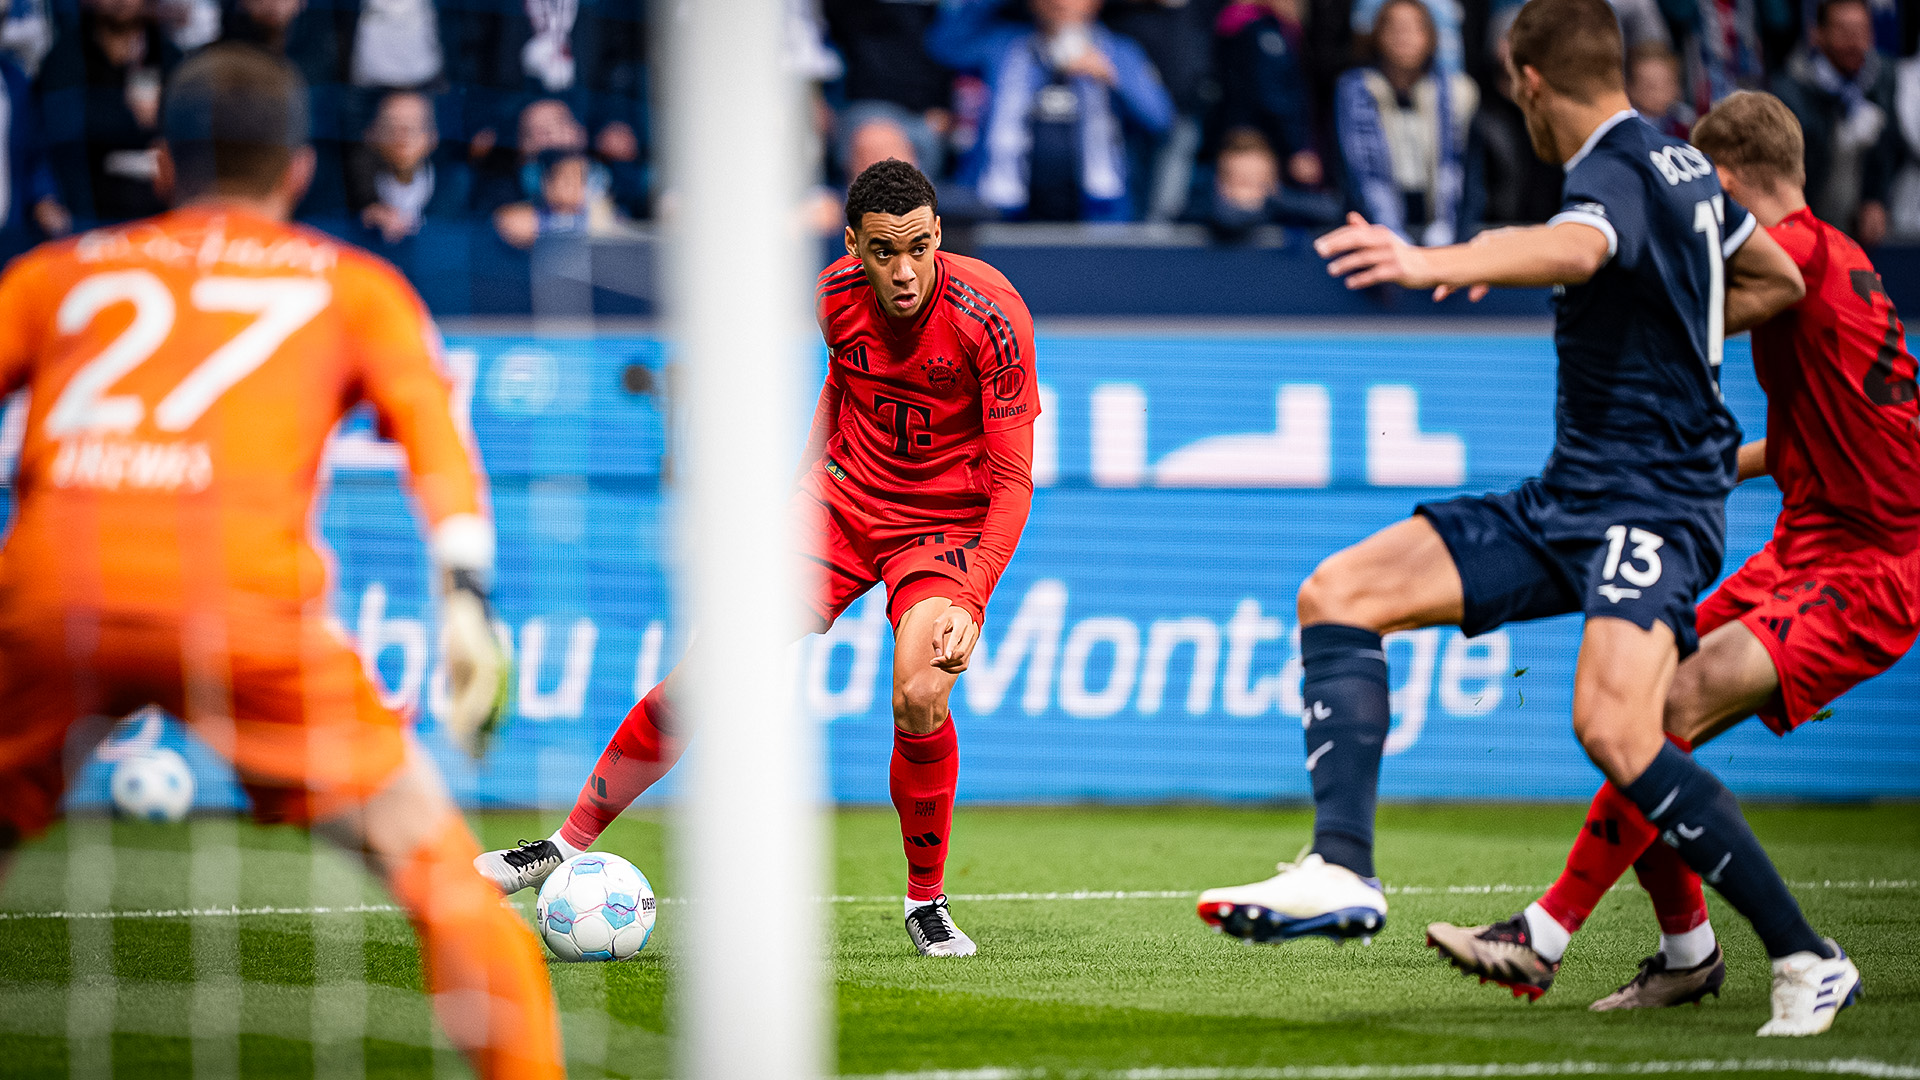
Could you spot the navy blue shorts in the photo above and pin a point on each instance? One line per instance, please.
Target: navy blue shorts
(1535, 552)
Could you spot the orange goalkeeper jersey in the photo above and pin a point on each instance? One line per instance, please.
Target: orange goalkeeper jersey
(185, 372)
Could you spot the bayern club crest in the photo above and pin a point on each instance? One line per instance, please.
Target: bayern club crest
(941, 373)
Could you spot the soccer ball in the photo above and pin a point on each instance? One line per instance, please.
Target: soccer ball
(595, 907)
(155, 785)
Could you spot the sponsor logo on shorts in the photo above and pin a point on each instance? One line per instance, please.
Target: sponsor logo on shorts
(1616, 594)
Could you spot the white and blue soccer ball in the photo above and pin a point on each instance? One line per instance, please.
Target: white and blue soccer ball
(595, 907)
(154, 785)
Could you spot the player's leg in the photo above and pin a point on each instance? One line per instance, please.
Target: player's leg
(925, 766)
(1401, 577)
(483, 968)
(1618, 722)
(650, 738)
(1723, 683)
(313, 745)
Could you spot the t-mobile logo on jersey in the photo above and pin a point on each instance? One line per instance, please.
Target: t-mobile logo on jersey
(899, 415)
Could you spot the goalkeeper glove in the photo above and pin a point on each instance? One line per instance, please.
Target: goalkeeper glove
(479, 671)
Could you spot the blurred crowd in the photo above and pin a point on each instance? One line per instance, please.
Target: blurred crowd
(533, 116)
(530, 114)
(1239, 114)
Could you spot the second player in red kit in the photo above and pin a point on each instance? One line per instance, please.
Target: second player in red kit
(1831, 601)
(918, 475)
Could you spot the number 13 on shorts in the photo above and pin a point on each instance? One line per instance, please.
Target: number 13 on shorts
(1640, 568)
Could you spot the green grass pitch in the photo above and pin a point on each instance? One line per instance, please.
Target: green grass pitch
(1066, 986)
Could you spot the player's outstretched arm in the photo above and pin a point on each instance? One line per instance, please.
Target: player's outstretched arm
(1367, 255)
(1762, 281)
(1753, 461)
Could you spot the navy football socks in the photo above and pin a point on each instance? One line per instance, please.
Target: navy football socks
(1347, 717)
(1696, 814)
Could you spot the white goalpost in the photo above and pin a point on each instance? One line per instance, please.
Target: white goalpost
(752, 1000)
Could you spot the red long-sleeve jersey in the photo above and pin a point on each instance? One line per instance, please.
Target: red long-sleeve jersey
(931, 419)
(1841, 410)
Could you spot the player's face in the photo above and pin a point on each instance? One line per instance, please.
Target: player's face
(897, 252)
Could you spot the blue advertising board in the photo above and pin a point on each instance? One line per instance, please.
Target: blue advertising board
(1142, 646)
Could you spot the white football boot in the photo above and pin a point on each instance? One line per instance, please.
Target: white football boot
(931, 927)
(1809, 989)
(526, 866)
(1312, 896)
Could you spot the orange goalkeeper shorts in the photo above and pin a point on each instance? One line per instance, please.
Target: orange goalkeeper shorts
(280, 694)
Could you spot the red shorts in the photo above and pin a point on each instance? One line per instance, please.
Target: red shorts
(859, 543)
(284, 698)
(1830, 622)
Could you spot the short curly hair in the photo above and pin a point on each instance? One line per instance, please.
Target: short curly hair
(889, 187)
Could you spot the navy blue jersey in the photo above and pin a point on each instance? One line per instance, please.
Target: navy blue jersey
(1639, 413)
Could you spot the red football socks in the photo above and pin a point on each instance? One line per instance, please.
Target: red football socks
(1675, 888)
(1615, 835)
(642, 749)
(922, 777)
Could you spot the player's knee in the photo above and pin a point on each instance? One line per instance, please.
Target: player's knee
(920, 703)
(1332, 594)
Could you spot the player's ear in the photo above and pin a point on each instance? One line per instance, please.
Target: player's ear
(852, 243)
(936, 232)
(298, 177)
(163, 174)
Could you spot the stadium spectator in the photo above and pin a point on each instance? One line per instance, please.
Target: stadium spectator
(1247, 193)
(1842, 92)
(572, 200)
(1719, 41)
(30, 208)
(1062, 94)
(883, 46)
(589, 54)
(1263, 84)
(510, 174)
(100, 97)
(1403, 126)
(1177, 36)
(1641, 25)
(396, 179)
(1447, 17)
(1903, 197)
(1516, 187)
(1653, 85)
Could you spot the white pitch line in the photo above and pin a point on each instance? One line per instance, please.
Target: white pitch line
(1075, 895)
(1877, 1070)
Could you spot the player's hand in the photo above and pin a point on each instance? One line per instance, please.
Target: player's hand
(479, 671)
(954, 636)
(1368, 255)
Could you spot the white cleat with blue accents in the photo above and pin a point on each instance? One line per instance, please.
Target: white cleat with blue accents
(1310, 897)
(1809, 989)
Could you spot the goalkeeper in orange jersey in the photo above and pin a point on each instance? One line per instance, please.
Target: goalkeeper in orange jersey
(184, 373)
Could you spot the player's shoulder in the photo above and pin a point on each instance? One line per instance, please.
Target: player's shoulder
(981, 294)
(840, 280)
(979, 276)
(1803, 237)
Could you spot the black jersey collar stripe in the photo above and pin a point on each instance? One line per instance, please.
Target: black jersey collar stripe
(999, 334)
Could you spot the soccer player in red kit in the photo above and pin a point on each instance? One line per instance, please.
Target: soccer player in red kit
(1831, 601)
(919, 475)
